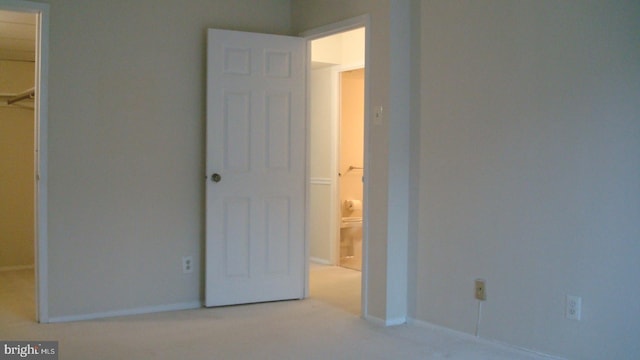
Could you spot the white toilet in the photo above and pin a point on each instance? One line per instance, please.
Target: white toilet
(351, 221)
(351, 242)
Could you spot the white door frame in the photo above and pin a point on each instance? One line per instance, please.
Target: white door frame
(41, 113)
(362, 21)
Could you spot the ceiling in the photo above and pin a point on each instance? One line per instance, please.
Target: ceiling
(17, 36)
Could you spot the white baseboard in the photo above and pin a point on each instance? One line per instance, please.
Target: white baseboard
(16, 268)
(466, 336)
(431, 326)
(374, 320)
(320, 261)
(128, 312)
(396, 321)
(389, 322)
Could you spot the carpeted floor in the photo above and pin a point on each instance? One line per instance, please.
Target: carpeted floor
(316, 328)
(336, 286)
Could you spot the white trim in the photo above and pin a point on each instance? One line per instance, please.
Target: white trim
(137, 311)
(388, 322)
(335, 211)
(321, 181)
(396, 321)
(347, 67)
(307, 175)
(16, 268)
(362, 21)
(469, 337)
(337, 27)
(374, 320)
(334, 154)
(41, 116)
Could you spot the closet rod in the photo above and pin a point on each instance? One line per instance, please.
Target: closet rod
(29, 94)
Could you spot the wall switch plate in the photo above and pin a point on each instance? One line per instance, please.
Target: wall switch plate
(481, 290)
(378, 115)
(573, 308)
(187, 264)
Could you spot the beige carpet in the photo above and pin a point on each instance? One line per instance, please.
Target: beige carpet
(307, 329)
(336, 286)
(17, 297)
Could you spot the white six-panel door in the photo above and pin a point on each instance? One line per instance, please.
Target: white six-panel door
(256, 146)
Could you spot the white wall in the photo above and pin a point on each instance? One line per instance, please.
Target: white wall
(16, 167)
(322, 168)
(126, 147)
(530, 172)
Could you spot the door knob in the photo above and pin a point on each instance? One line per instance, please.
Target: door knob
(216, 177)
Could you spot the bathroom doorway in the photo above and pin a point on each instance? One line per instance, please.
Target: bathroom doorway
(337, 108)
(351, 165)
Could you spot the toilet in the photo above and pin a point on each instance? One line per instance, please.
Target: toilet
(351, 242)
(351, 222)
(351, 234)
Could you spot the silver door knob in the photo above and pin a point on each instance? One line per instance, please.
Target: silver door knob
(216, 177)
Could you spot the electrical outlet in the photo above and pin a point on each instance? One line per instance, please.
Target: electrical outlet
(573, 310)
(187, 264)
(481, 290)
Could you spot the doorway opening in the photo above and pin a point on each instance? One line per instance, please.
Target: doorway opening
(336, 196)
(351, 168)
(17, 165)
(23, 158)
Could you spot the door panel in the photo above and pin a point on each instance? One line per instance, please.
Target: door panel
(256, 143)
(237, 142)
(278, 126)
(278, 239)
(236, 237)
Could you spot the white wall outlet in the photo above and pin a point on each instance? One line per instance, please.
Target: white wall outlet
(573, 309)
(187, 264)
(481, 290)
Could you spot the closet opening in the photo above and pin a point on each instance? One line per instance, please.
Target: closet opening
(23, 153)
